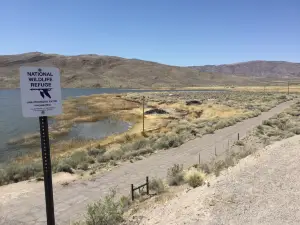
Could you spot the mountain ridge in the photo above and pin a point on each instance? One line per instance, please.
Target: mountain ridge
(256, 68)
(94, 71)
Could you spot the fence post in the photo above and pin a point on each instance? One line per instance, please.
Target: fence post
(199, 159)
(215, 151)
(132, 193)
(228, 144)
(238, 136)
(147, 185)
(288, 87)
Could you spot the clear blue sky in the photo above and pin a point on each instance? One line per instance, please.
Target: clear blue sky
(177, 32)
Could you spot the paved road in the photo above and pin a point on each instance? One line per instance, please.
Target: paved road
(71, 200)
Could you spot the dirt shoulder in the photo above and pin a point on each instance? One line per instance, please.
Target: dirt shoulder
(261, 189)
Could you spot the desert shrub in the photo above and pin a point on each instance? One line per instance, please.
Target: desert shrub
(287, 135)
(267, 123)
(127, 137)
(296, 130)
(240, 143)
(282, 97)
(183, 126)
(157, 185)
(90, 160)
(131, 154)
(38, 166)
(103, 158)
(26, 172)
(16, 172)
(169, 141)
(229, 161)
(175, 175)
(209, 130)
(83, 166)
(224, 123)
(204, 167)
(265, 139)
(260, 130)
(264, 108)
(142, 143)
(194, 178)
(218, 166)
(63, 166)
(254, 113)
(125, 202)
(3, 177)
(244, 153)
(294, 113)
(114, 154)
(77, 158)
(107, 211)
(54, 162)
(94, 152)
(274, 133)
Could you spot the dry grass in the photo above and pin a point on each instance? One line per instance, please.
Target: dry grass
(182, 123)
(157, 185)
(175, 175)
(194, 177)
(282, 88)
(107, 211)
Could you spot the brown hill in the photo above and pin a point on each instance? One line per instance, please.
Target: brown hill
(264, 69)
(108, 71)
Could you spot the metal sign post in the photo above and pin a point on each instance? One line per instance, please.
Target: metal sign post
(41, 97)
(46, 157)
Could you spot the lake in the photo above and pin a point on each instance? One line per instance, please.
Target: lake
(13, 124)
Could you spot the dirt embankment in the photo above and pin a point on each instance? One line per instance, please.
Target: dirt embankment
(263, 188)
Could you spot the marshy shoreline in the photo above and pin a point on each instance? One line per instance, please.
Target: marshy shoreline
(181, 122)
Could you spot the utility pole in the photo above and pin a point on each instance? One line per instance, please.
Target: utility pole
(143, 114)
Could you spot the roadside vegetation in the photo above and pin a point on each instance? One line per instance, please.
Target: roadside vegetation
(188, 115)
(281, 126)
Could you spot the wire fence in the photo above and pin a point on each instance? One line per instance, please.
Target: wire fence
(220, 147)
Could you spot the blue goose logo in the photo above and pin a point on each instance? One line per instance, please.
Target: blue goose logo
(43, 91)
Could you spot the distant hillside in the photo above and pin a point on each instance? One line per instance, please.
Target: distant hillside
(107, 71)
(261, 69)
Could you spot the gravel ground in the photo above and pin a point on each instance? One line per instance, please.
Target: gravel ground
(263, 188)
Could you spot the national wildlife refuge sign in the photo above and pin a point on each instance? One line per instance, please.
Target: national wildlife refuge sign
(40, 91)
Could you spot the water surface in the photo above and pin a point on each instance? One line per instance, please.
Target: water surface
(13, 124)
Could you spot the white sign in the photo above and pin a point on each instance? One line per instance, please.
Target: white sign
(40, 91)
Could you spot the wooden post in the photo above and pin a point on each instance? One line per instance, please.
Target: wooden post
(132, 193)
(147, 185)
(143, 114)
(199, 159)
(215, 151)
(238, 136)
(228, 144)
